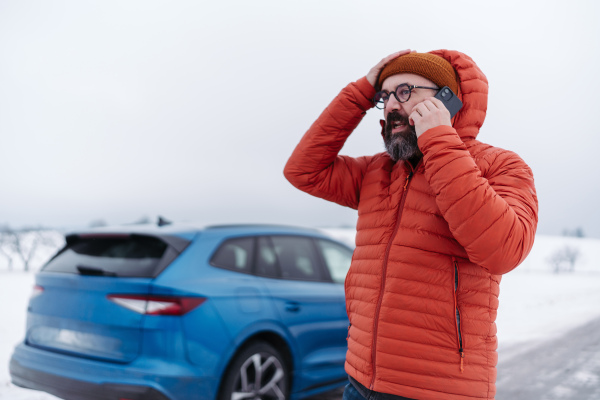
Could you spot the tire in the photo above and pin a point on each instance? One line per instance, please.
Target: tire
(258, 372)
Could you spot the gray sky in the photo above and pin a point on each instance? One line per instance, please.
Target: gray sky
(117, 110)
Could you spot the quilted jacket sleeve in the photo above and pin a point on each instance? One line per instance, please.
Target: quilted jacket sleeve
(494, 217)
(315, 166)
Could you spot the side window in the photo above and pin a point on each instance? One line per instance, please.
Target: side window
(297, 258)
(235, 254)
(266, 259)
(337, 258)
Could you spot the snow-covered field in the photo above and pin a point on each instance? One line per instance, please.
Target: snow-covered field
(536, 304)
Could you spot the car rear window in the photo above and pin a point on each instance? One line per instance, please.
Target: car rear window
(131, 256)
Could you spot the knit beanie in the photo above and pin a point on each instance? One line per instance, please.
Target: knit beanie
(430, 66)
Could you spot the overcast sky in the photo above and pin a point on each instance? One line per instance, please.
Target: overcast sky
(118, 110)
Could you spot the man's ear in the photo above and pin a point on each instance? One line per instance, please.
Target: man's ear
(382, 123)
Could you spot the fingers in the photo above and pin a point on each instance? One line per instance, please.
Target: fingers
(391, 57)
(374, 72)
(414, 118)
(416, 114)
(428, 114)
(423, 108)
(429, 105)
(396, 55)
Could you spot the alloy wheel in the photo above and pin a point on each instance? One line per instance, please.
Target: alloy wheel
(258, 372)
(262, 377)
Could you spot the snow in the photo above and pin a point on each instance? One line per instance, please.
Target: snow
(15, 288)
(536, 304)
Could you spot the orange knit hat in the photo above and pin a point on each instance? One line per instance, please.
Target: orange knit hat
(430, 66)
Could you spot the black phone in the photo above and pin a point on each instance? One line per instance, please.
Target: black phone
(450, 100)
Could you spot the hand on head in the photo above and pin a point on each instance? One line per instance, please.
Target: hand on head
(376, 70)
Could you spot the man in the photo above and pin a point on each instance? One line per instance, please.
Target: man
(441, 216)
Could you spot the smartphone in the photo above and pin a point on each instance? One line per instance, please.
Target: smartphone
(450, 100)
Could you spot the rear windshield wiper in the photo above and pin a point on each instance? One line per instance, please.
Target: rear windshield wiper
(93, 271)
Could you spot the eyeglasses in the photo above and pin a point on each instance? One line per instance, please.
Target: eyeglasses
(402, 94)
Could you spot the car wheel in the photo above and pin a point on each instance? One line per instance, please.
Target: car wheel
(258, 372)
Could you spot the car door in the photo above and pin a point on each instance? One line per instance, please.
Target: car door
(309, 303)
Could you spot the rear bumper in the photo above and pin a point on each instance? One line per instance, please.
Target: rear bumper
(71, 389)
(72, 378)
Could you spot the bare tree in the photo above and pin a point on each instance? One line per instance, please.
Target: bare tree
(23, 244)
(5, 239)
(564, 259)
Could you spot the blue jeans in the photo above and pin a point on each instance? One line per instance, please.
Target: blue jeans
(350, 393)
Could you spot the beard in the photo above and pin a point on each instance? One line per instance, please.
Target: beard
(401, 145)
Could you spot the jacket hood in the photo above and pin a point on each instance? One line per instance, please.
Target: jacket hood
(473, 93)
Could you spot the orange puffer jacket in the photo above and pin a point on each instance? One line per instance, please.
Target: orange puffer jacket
(431, 243)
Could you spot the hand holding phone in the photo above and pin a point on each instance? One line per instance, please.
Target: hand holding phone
(450, 100)
(427, 114)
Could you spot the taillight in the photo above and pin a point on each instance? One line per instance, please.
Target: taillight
(157, 305)
(36, 291)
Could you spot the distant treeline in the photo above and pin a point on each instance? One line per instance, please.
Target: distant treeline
(27, 249)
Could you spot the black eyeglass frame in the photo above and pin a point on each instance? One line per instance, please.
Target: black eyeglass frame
(384, 96)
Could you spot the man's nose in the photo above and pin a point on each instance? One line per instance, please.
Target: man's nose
(392, 104)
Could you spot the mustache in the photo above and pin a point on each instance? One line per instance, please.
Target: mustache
(392, 117)
(396, 116)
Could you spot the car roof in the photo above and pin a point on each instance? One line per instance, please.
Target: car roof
(190, 230)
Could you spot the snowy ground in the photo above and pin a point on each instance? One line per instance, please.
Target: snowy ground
(536, 304)
(15, 288)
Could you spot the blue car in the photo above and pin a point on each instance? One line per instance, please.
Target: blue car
(179, 312)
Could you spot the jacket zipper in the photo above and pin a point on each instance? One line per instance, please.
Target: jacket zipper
(383, 273)
(457, 319)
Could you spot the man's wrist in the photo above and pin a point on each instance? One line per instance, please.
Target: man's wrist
(431, 136)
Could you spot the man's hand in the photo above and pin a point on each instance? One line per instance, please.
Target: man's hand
(374, 72)
(428, 114)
